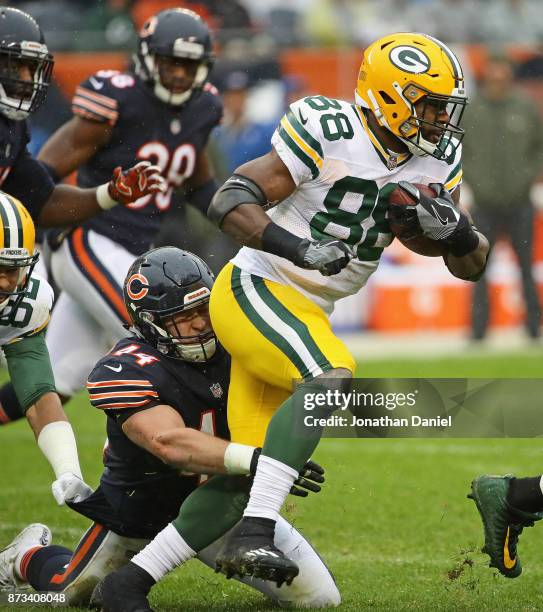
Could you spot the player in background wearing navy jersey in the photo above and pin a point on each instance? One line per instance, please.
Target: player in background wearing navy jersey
(164, 390)
(162, 112)
(25, 71)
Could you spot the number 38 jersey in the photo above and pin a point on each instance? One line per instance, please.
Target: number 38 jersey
(344, 176)
(30, 315)
(142, 128)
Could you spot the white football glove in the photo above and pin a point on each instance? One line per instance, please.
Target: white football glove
(70, 488)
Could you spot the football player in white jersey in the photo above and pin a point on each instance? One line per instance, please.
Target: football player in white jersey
(26, 300)
(313, 216)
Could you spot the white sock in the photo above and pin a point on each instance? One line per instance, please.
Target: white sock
(163, 554)
(271, 485)
(57, 443)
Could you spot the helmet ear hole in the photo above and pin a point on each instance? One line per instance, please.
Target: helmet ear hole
(386, 98)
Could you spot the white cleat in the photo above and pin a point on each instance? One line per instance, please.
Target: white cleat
(35, 534)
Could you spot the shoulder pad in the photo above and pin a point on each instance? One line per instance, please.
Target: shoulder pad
(38, 302)
(125, 378)
(98, 98)
(299, 140)
(211, 103)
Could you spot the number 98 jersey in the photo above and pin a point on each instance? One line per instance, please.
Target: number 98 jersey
(142, 128)
(343, 176)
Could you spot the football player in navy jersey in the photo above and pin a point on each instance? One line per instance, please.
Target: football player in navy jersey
(25, 71)
(164, 390)
(161, 113)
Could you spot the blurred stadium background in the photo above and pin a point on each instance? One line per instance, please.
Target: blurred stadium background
(271, 52)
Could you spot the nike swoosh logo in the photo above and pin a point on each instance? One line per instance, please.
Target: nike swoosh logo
(115, 369)
(96, 84)
(439, 217)
(507, 561)
(303, 119)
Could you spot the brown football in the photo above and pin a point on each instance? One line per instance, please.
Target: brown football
(419, 244)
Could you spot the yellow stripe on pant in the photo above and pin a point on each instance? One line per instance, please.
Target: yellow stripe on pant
(276, 336)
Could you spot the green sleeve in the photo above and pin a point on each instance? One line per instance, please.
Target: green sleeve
(30, 369)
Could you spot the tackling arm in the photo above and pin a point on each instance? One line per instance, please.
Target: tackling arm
(161, 431)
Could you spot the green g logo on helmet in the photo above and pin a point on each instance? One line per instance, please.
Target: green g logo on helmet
(410, 59)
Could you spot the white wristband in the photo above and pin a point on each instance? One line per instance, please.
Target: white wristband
(105, 201)
(237, 458)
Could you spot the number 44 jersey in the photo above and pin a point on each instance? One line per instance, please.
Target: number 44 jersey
(344, 176)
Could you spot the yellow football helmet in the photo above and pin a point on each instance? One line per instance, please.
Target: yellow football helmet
(17, 243)
(399, 70)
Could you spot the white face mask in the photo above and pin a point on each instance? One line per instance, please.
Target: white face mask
(198, 352)
(164, 94)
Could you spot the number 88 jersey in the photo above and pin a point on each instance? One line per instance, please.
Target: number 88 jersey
(343, 176)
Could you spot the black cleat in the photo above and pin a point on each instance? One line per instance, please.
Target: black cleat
(250, 551)
(124, 590)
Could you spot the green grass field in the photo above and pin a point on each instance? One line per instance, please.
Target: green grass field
(393, 522)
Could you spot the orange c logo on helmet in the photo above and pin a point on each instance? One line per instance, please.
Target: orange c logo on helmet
(142, 292)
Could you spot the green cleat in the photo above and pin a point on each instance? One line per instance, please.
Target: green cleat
(502, 523)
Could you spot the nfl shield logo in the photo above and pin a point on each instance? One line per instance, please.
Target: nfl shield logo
(175, 126)
(216, 390)
(392, 162)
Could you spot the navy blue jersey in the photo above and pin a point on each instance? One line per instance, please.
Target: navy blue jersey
(143, 128)
(20, 174)
(135, 376)
(139, 494)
